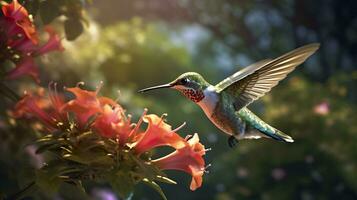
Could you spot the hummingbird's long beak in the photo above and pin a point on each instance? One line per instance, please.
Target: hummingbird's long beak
(156, 87)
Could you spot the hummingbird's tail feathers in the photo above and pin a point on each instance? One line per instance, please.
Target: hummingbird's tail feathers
(276, 134)
(280, 136)
(255, 122)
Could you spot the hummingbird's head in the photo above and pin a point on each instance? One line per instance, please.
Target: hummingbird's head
(190, 84)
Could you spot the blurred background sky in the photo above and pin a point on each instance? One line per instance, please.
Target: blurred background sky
(139, 43)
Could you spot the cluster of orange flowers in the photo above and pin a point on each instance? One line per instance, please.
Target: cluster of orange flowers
(107, 118)
(19, 41)
(88, 123)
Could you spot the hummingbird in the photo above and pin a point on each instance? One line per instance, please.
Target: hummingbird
(225, 104)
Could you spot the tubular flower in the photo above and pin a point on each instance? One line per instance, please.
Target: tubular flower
(157, 134)
(111, 123)
(188, 159)
(105, 139)
(26, 66)
(105, 123)
(38, 106)
(15, 13)
(86, 104)
(53, 43)
(19, 41)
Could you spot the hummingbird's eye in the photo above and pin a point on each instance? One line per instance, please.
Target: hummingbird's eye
(184, 81)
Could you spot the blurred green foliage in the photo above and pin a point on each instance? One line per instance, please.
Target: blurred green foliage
(135, 44)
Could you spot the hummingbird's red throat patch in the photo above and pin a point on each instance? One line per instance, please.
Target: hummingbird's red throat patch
(195, 95)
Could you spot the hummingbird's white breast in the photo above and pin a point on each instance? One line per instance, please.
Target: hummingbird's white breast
(209, 102)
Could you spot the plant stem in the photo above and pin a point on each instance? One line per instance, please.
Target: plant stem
(9, 93)
(22, 193)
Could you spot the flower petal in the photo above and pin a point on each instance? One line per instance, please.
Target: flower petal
(188, 159)
(106, 122)
(20, 16)
(53, 43)
(26, 66)
(157, 134)
(34, 106)
(85, 105)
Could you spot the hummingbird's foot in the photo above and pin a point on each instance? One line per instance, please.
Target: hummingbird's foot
(232, 141)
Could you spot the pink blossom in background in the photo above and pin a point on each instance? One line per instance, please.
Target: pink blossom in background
(322, 108)
(278, 174)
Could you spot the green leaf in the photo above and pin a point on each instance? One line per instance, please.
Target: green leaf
(9, 93)
(72, 170)
(122, 183)
(49, 10)
(80, 186)
(155, 186)
(150, 171)
(95, 157)
(47, 181)
(165, 180)
(73, 28)
(50, 176)
(47, 147)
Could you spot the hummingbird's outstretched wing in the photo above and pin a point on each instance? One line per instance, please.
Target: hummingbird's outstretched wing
(257, 79)
(241, 74)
